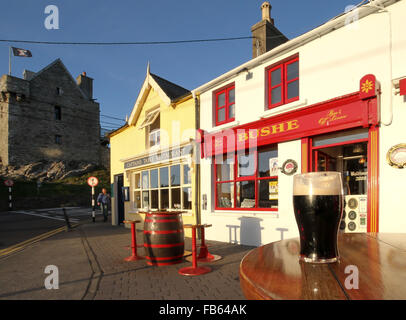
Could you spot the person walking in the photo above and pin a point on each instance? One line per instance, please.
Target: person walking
(103, 200)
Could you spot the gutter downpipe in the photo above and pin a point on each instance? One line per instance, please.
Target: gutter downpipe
(293, 44)
(381, 8)
(196, 154)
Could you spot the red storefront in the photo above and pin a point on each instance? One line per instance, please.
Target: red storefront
(340, 134)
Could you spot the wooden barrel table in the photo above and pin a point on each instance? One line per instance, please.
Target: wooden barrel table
(164, 239)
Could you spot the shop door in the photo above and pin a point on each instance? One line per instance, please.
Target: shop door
(118, 180)
(350, 157)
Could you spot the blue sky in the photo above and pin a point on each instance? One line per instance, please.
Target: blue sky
(119, 71)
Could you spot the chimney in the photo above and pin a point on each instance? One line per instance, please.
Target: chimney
(86, 84)
(265, 35)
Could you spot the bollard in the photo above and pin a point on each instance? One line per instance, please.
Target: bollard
(68, 226)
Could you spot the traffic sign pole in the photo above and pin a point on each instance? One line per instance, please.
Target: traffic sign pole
(93, 206)
(9, 184)
(92, 182)
(10, 198)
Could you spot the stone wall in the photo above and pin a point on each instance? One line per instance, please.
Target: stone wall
(3, 131)
(33, 127)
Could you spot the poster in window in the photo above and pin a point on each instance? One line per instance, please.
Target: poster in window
(273, 167)
(273, 190)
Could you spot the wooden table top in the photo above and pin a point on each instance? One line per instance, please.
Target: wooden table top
(274, 271)
(197, 225)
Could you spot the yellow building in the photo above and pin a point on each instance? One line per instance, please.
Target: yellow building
(152, 165)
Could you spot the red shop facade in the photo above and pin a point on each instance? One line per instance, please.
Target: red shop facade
(341, 134)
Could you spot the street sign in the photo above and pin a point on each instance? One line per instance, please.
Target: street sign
(8, 183)
(92, 181)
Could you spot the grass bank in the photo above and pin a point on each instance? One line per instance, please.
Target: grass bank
(70, 192)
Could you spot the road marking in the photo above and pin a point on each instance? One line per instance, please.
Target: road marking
(23, 244)
(45, 216)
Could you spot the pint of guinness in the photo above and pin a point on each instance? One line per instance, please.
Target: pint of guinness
(318, 205)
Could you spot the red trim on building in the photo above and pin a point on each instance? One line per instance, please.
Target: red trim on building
(226, 106)
(402, 87)
(333, 115)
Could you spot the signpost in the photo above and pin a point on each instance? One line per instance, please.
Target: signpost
(92, 182)
(9, 184)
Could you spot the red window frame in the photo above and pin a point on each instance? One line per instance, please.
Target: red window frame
(255, 177)
(226, 90)
(283, 66)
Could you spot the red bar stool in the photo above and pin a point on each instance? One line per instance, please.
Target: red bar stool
(204, 254)
(194, 270)
(134, 256)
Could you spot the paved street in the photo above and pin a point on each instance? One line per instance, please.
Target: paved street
(21, 225)
(91, 266)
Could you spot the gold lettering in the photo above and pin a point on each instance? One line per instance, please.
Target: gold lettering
(242, 137)
(266, 131)
(278, 128)
(252, 132)
(292, 125)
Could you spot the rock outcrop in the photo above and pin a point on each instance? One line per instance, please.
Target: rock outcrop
(46, 170)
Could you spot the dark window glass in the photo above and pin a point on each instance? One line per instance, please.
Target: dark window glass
(225, 167)
(293, 70)
(187, 177)
(175, 176)
(222, 99)
(58, 113)
(145, 199)
(246, 194)
(154, 178)
(293, 89)
(231, 96)
(164, 198)
(145, 182)
(187, 198)
(154, 199)
(175, 198)
(137, 200)
(225, 195)
(276, 77)
(58, 139)
(221, 114)
(164, 177)
(246, 163)
(276, 95)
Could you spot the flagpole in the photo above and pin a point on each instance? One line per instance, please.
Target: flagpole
(9, 62)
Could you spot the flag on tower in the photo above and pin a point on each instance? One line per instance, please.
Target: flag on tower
(21, 52)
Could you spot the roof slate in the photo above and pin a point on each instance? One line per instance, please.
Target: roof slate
(173, 91)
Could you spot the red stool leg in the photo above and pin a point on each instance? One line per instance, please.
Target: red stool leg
(204, 254)
(134, 255)
(194, 270)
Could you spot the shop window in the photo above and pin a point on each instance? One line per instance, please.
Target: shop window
(163, 188)
(283, 83)
(225, 105)
(247, 179)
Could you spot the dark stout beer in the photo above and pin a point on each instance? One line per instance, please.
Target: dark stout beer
(318, 205)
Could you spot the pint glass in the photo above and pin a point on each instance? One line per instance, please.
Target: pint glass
(318, 205)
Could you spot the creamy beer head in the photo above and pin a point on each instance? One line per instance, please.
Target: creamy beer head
(318, 183)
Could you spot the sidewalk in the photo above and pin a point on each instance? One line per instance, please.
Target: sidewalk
(91, 266)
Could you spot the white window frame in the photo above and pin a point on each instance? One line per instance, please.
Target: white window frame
(140, 190)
